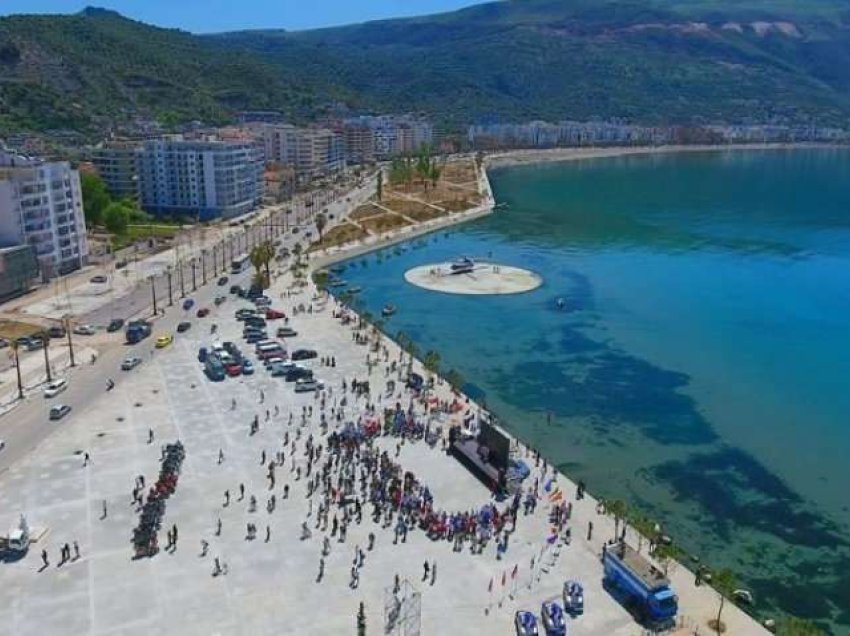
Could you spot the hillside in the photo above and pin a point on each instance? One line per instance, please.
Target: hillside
(651, 61)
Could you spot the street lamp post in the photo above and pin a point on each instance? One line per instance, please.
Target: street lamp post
(15, 346)
(153, 294)
(204, 266)
(180, 275)
(170, 297)
(67, 320)
(194, 279)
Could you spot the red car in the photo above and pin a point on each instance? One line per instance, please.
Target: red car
(233, 369)
(274, 314)
(203, 311)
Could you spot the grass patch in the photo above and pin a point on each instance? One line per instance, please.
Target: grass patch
(365, 211)
(339, 235)
(384, 223)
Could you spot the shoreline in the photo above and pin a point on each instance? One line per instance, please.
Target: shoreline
(511, 158)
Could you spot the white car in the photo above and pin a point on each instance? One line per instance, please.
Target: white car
(306, 385)
(84, 330)
(55, 388)
(59, 411)
(130, 363)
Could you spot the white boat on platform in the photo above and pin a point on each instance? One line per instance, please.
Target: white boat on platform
(463, 265)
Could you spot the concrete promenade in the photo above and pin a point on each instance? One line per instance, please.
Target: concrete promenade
(270, 586)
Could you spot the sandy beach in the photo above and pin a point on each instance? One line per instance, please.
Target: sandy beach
(550, 155)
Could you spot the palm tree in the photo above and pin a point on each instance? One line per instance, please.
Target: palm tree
(380, 188)
(15, 345)
(645, 528)
(723, 583)
(455, 379)
(618, 509)
(793, 626)
(432, 361)
(321, 224)
(261, 256)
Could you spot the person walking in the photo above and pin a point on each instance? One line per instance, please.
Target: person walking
(86, 459)
(427, 571)
(220, 456)
(226, 498)
(103, 514)
(268, 533)
(434, 573)
(44, 558)
(218, 527)
(76, 550)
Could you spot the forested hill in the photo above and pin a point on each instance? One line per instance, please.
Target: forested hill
(645, 60)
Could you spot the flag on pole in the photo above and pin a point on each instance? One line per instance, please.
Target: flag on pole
(514, 572)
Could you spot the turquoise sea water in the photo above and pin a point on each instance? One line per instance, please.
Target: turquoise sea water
(701, 369)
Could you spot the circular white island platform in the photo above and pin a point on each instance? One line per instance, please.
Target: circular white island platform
(485, 278)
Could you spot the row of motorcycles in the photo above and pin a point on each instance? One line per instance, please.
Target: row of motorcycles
(145, 539)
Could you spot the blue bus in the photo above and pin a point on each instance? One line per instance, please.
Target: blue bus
(240, 264)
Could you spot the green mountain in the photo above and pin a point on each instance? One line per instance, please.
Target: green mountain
(654, 61)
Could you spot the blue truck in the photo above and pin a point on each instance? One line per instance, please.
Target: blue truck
(640, 586)
(137, 331)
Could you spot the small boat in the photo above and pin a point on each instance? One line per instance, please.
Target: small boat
(337, 283)
(560, 303)
(339, 269)
(355, 290)
(388, 310)
(463, 265)
(743, 596)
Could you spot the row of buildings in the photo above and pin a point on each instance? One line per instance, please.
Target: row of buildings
(221, 173)
(542, 134)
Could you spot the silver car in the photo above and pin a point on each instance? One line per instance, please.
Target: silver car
(130, 363)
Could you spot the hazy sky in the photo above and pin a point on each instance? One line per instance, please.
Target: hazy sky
(225, 15)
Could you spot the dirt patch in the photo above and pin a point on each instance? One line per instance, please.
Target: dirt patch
(414, 209)
(460, 171)
(365, 211)
(11, 329)
(384, 223)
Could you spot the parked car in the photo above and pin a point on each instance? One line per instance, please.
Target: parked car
(84, 330)
(183, 326)
(233, 369)
(59, 411)
(164, 340)
(274, 314)
(247, 367)
(554, 619)
(270, 362)
(573, 598)
(55, 388)
(253, 337)
(202, 354)
(220, 300)
(255, 321)
(304, 354)
(115, 324)
(100, 278)
(244, 312)
(525, 623)
(298, 373)
(279, 369)
(188, 304)
(202, 312)
(262, 302)
(235, 289)
(306, 385)
(223, 281)
(286, 332)
(35, 343)
(56, 332)
(130, 363)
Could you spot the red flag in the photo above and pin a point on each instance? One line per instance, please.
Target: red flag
(515, 570)
(490, 587)
(504, 579)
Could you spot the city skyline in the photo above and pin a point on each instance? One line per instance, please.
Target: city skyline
(220, 15)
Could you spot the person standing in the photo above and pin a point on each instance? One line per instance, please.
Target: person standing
(44, 558)
(76, 550)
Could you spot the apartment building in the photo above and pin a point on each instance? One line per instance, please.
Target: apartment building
(117, 165)
(41, 205)
(312, 152)
(204, 179)
(391, 135)
(18, 270)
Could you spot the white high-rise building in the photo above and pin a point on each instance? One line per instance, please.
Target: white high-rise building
(41, 204)
(201, 179)
(312, 152)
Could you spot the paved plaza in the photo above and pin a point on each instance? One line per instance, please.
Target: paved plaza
(269, 586)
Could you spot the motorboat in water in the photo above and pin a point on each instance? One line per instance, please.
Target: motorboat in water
(355, 290)
(463, 265)
(388, 310)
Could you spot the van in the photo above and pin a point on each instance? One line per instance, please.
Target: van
(55, 388)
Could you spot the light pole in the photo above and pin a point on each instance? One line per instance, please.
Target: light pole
(194, 279)
(67, 321)
(204, 266)
(153, 294)
(180, 275)
(170, 297)
(15, 347)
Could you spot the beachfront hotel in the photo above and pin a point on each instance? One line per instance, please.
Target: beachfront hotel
(203, 179)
